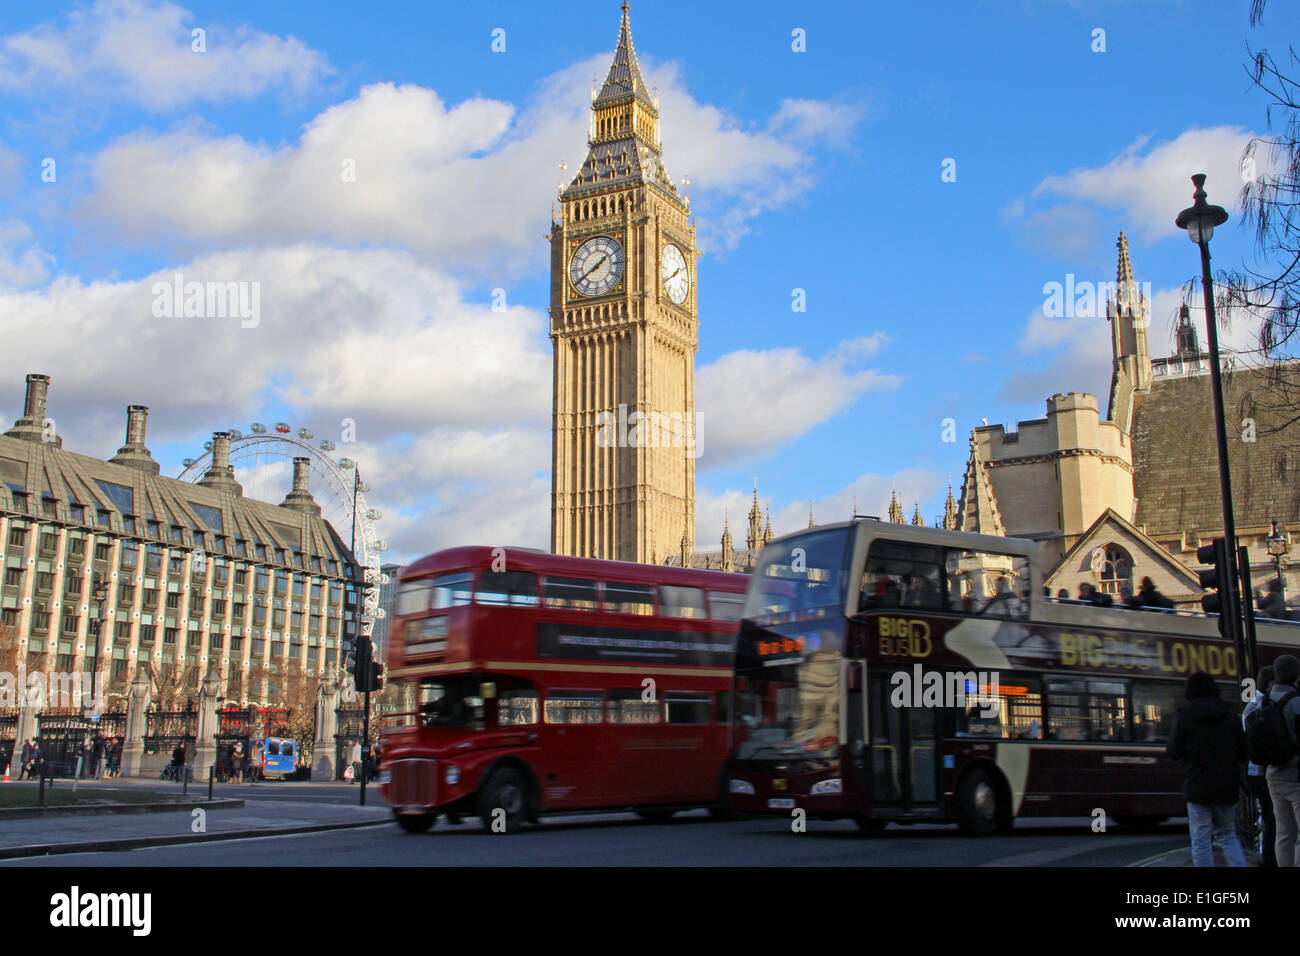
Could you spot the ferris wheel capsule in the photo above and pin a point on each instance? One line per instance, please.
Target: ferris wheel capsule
(258, 428)
(327, 445)
(306, 434)
(381, 545)
(374, 514)
(208, 445)
(283, 428)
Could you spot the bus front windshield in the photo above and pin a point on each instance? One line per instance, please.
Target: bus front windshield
(800, 574)
(787, 694)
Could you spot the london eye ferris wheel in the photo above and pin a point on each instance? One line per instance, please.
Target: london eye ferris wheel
(263, 463)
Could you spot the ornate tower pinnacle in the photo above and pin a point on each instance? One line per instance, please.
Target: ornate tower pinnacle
(755, 536)
(950, 510)
(917, 520)
(1128, 312)
(726, 543)
(895, 509)
(767, 528)
(810, 517)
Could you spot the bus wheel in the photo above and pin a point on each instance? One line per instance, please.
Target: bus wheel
(655, 816)
(870, 827)
(416, 822)
(503, 801)
(977, 804)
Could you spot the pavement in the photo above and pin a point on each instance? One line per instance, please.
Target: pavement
(256, 818)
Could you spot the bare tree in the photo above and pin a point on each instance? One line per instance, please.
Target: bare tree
(1267, 293)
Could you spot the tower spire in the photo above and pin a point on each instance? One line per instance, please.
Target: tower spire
(1124, 268)
(624, 78)
(895, 509)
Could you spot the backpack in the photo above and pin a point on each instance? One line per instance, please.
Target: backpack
(1268, 740)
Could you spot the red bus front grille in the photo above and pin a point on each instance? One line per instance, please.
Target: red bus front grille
(413, 783)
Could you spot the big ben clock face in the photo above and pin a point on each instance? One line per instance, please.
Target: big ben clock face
(674, 274)
(597, 266)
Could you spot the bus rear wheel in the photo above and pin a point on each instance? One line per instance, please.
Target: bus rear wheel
(416, 822)
(503, 801)
(977, 804)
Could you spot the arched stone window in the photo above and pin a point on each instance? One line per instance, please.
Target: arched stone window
(1116, 570)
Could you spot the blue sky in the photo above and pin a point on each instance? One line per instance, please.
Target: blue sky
(816, 170)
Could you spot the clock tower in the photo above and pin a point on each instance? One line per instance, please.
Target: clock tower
(624, 330)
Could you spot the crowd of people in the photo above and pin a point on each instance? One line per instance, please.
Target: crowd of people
(1270, 602)
(99, 756)
(1214, 743)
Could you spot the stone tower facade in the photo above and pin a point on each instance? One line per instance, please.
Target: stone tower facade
(625, 332)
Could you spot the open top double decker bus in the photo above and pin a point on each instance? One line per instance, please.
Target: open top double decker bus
(530, 683)
(888, 672)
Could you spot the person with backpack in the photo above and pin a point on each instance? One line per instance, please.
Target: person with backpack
(1209, 740)
(1273, 741)
(1255, 778)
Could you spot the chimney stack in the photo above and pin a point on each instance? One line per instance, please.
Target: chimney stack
(134, 454)
(221, 476)
(31, 427)
(300, 498)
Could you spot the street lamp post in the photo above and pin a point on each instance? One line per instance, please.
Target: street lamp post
(1199, 220)
(1278, 545)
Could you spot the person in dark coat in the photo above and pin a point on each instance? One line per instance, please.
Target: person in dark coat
(1208, 738)
(1149, 596)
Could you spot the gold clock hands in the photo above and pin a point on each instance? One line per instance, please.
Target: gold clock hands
(598, 264)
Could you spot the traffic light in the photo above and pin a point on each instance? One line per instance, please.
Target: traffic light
(1214, 554)
(367, 673)
(1218, 579)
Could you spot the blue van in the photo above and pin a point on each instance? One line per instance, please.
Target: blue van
(274, 758)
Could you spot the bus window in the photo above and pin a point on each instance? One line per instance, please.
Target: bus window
(574, 593)
(990, 585)
(573, 707)
(801, 573)
(725, 606)
(413, 597)
(689, 708)
(1010, 710)
(1086, 710)
(902, 575)
(273, 748)
(450, 702)
(1154, 708)
(675, 601)
(288, 748)
(516, 707)
(452, 590)
(516, 588)
(628, 707)
(629, 598)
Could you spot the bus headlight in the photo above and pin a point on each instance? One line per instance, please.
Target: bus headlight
(828, 786)
(451, 776)
(741, 786)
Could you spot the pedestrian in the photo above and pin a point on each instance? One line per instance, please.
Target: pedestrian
(1212, 745)
(1149, 596)
(1256, 780)
(25, 764)
(178, 761)
(1284, 779)
(237, 762)
(34, 767)
(115, 759)
(1273, 604)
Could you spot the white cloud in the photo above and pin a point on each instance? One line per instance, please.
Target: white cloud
(1150, 185)
(751, 402)
(22, 264)
(141, 51)
(464, 185)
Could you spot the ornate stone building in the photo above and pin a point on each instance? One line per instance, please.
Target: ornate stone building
(1112, 500)
(624, 330)
(194, 575)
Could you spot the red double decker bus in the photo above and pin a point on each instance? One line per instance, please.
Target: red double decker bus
(529, 683)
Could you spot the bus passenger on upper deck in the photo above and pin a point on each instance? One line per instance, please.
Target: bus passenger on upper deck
(1149, 596)
(1091, 595)
(1273, 604)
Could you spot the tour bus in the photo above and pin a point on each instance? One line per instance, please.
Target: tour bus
(530, 683)
(894, 673)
